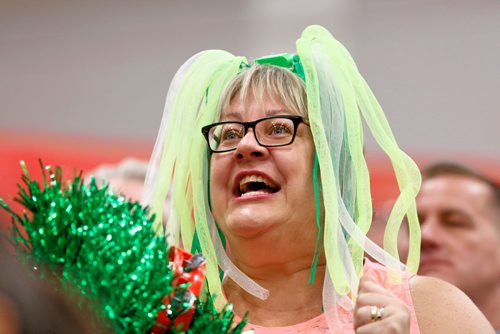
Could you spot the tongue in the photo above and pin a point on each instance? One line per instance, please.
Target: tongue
(256, 188)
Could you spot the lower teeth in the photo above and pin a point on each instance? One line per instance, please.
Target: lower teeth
(253, 193)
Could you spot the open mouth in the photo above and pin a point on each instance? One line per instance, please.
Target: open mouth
(252, 185)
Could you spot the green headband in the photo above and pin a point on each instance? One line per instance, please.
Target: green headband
(286, 60)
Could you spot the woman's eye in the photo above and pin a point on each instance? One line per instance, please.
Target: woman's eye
(280, 129)
(230, 134)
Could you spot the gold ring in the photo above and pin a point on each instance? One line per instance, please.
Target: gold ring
(376, 313)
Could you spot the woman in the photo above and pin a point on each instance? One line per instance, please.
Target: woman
(279, 200)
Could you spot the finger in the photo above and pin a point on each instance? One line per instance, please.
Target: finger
(374, 328)
(377, 299)
(394, 318)
(397, 323)
(369, 284)
(368, 314)
(372, 293)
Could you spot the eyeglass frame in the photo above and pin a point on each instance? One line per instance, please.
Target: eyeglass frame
(296, 119)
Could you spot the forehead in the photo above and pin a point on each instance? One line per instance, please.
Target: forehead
(255, 107)
(454, 192)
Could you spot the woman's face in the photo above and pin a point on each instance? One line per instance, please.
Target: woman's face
(281, 201)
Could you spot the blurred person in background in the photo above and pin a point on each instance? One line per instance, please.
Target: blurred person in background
(125, 177)
(459, 213)
(29, 305)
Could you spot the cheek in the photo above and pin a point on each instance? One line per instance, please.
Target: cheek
(215, 172)
(309, 176)
(487, 241)
(218, 181)
(302, 181)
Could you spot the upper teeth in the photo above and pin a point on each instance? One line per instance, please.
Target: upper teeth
(246, 180)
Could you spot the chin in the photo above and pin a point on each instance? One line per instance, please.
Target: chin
(245, 226)
(247, 231)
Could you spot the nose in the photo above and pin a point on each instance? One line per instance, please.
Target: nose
(248, 147)
(430, 232)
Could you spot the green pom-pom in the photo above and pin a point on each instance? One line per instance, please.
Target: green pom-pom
(208, 320)
(97, 242)
(104, 247)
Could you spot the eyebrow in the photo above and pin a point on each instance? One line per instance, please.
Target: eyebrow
(447, 212)
(269, 112)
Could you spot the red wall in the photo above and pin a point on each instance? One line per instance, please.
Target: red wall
(73, 153)
(77, 153)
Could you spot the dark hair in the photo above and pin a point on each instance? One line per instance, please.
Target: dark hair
(442, 168)
(39, 307)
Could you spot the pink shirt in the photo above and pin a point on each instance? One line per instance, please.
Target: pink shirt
(318, 325)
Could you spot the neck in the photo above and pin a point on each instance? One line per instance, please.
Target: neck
(291, 298)
(489, 304)
(281, 263)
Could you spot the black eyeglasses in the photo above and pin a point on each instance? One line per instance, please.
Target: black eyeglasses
(269, 132)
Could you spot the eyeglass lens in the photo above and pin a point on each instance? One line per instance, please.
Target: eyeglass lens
(268, 132)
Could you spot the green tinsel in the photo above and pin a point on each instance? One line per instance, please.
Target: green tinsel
(208, 320)
(104, 246)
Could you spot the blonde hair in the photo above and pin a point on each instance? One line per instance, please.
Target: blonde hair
(266, 81)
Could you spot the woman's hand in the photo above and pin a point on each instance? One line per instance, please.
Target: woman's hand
(379, 311)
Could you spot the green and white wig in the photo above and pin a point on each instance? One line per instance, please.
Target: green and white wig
(338, 99)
